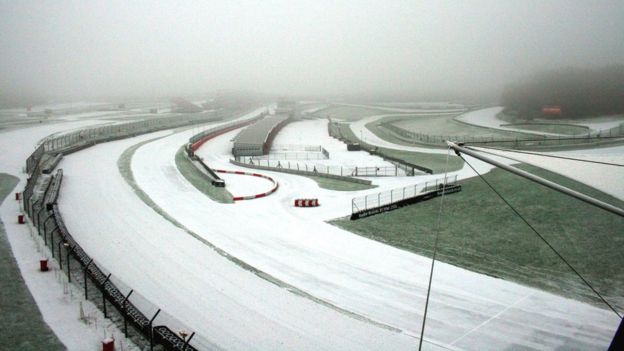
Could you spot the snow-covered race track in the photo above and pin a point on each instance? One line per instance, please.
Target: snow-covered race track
(349, 292)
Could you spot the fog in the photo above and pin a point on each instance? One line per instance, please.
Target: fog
(316, 48)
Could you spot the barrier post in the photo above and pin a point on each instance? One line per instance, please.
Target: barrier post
(125, 308)
(60, 259)
(186, 341)
(104, 294)
(85, 278)
(67, 252)
(151, 322)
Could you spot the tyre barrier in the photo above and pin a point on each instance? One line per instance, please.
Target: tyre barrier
(306, 203)
(251, 197)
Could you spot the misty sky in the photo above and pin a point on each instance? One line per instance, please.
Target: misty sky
(93, 48)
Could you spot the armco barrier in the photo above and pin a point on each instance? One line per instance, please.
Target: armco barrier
(301, 172)
(42, 208)
(83, 138)
(251, 197)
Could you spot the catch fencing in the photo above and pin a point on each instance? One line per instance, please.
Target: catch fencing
(40, 204)
(343, 171)
(384, 198)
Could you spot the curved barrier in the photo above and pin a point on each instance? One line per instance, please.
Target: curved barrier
(251, 197)
(198, 140)
(40, 203)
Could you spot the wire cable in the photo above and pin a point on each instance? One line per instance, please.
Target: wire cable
(543, 239)
(435, 250)
(547, 155)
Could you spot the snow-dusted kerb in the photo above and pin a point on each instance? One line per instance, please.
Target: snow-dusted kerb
(256, 196)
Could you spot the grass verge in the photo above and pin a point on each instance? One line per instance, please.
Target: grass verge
(200, 180)
(480, 233)
(21, 326)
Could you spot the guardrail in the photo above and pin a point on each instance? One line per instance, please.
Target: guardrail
(83, 138)
(40, 197)
(362, 204)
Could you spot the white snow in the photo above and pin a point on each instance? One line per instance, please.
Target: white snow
(232, 308)
(368, 278)
(58, 303)
(487, 118)
(607, 178)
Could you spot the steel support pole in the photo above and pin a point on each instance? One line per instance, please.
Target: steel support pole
(547, 183)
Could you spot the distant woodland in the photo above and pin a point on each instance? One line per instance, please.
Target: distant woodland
(579, 92)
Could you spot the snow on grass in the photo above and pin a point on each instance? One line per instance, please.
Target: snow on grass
(379, 282)
(58, 308)
(607, 178)
(226, 305)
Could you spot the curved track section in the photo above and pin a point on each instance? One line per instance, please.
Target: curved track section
(379, 282)
(227, 306)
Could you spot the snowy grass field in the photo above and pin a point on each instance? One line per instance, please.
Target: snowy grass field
(435, 162)
(348, 113)
(480, 233)
(21, 326)
(565, 129)
(262, 274)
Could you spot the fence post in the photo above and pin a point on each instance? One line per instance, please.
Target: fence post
(125, 308)
(60, 259)
(104, 294)
(85, 278)
(67, 252)
(152, 330)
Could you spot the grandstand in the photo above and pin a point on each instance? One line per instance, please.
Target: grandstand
(256, 139)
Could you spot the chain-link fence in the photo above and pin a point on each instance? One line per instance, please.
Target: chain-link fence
(391, 196)
(344, 171)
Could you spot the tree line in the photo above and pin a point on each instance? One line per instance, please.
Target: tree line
(579, 92)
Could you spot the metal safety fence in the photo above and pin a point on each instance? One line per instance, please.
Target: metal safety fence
(40, 197)
(76, 140)
(317, 168)
(388, 197)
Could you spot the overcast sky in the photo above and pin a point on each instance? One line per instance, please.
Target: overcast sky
(297, 47)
